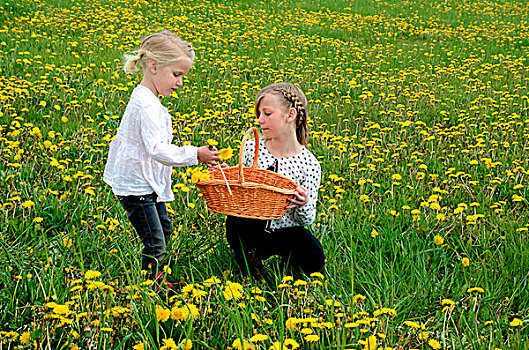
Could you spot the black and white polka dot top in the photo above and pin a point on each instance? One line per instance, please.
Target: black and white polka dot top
(302, 168)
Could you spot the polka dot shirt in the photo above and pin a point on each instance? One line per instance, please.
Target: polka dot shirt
(302, 168)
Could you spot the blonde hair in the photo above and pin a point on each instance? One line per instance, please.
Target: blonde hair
(164, 47)
(289, 96)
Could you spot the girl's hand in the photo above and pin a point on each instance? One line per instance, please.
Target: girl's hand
(207, 156)
(300, 199)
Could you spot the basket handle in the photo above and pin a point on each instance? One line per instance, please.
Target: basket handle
(241, 151)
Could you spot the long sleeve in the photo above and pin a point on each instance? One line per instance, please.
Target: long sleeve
(157, 137)
(306, 214)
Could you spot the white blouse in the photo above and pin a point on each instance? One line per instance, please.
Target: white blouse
(141, 156)
(302, 168)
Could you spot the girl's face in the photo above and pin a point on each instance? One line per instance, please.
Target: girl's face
(275, 122)
(166, 79)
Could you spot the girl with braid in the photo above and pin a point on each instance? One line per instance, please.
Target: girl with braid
(281, 111)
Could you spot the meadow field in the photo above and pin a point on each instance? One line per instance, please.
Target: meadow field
(419, 115)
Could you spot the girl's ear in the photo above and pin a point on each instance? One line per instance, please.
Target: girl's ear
(153, 66)
(292, 114)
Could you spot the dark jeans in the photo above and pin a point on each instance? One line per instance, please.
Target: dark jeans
(152, 223)
(251, 244)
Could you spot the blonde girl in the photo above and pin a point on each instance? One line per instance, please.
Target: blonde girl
(141, 156)
(281, 111)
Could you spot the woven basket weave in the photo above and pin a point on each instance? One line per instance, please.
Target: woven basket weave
(247, 192)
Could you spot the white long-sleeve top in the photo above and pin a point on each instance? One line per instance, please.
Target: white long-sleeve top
(141, 156)
(302, 168)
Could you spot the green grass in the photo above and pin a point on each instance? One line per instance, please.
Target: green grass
(435, 92)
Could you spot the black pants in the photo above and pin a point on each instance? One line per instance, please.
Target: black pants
(153, 225)
(251, 244)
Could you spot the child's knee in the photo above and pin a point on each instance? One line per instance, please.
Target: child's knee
(314, 261)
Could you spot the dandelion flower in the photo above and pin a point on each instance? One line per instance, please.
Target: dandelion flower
(287, 279)
(89, 275)
(188, 344)
(412, 324)
(312, 338)
(516, 322)
(291, 344)
(357, 298)
(25, 337)
(465, 262)
(434, 344)
(385, 311)
(316, 275)
(176, 313)
(28, 204)
(168, 344)
(211, 281)
(438, 240)
(162, 314)
(237, 344)
(370, 343)
(291, 323)
(258, 338)
(139, 346)
(424, 335)
(61, 309)
(226, 153)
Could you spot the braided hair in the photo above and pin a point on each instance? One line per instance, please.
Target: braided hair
(164, 47)
(290, 96)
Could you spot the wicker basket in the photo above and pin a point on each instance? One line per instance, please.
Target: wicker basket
(247, 192)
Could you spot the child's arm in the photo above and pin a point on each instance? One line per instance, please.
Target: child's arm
(304, 202)
(155, 139)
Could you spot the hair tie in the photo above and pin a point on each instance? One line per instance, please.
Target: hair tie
(146, 53)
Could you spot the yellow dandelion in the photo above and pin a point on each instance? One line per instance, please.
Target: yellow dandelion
(89, 275)
(357, 298)
(226, 153)
(237, 344)
(168, 344)
(61, 309)
(316, 275)
(258, 338)
(187, 344)
(434, 344)
(291, 343)
(438, 240)
(28, 204)
(162, 314)
(25, 338)
(138, 346)
(312, 338)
